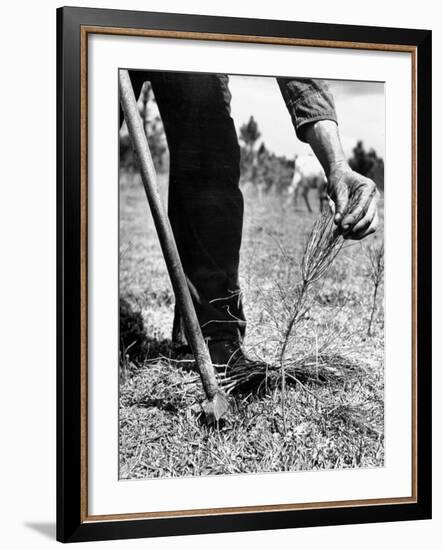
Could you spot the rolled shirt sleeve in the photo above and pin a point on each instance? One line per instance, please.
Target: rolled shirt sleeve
(308, 101)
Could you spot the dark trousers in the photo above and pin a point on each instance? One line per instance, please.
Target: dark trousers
(205, 203)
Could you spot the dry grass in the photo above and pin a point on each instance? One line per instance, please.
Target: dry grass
(331, 414)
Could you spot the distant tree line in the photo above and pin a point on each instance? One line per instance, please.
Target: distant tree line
(369, 164)
(267, 170)
(154, 131)
(258, 165)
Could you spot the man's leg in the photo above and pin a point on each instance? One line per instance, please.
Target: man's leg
(205, 203)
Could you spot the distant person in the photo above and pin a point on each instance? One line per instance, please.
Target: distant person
(205, 202)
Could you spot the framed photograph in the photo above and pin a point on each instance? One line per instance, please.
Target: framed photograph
(244, 274)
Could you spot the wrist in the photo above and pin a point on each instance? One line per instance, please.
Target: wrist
(324, 139)
(336, 168)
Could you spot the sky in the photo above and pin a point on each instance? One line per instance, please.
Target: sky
(360, 109)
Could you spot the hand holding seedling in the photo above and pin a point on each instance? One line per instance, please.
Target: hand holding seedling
(354, 196)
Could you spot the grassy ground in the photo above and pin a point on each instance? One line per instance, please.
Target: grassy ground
(332, 413)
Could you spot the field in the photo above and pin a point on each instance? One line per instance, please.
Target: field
(331, 412)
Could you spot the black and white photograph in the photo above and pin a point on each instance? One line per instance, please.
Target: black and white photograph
(251, 274)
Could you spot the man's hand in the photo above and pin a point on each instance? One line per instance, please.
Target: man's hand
(355, 198)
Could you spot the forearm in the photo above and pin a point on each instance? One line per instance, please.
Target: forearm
(324, 139)
(354, 196)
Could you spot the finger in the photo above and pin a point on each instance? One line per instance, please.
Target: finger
(341, 198)
(359, 206)
(364, 233)
(366, 220)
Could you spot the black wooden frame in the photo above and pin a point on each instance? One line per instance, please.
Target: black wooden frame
(70, 525)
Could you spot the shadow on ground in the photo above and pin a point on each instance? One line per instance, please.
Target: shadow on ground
(135, 344)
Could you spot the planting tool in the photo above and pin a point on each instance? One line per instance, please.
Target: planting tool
(216, 404)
